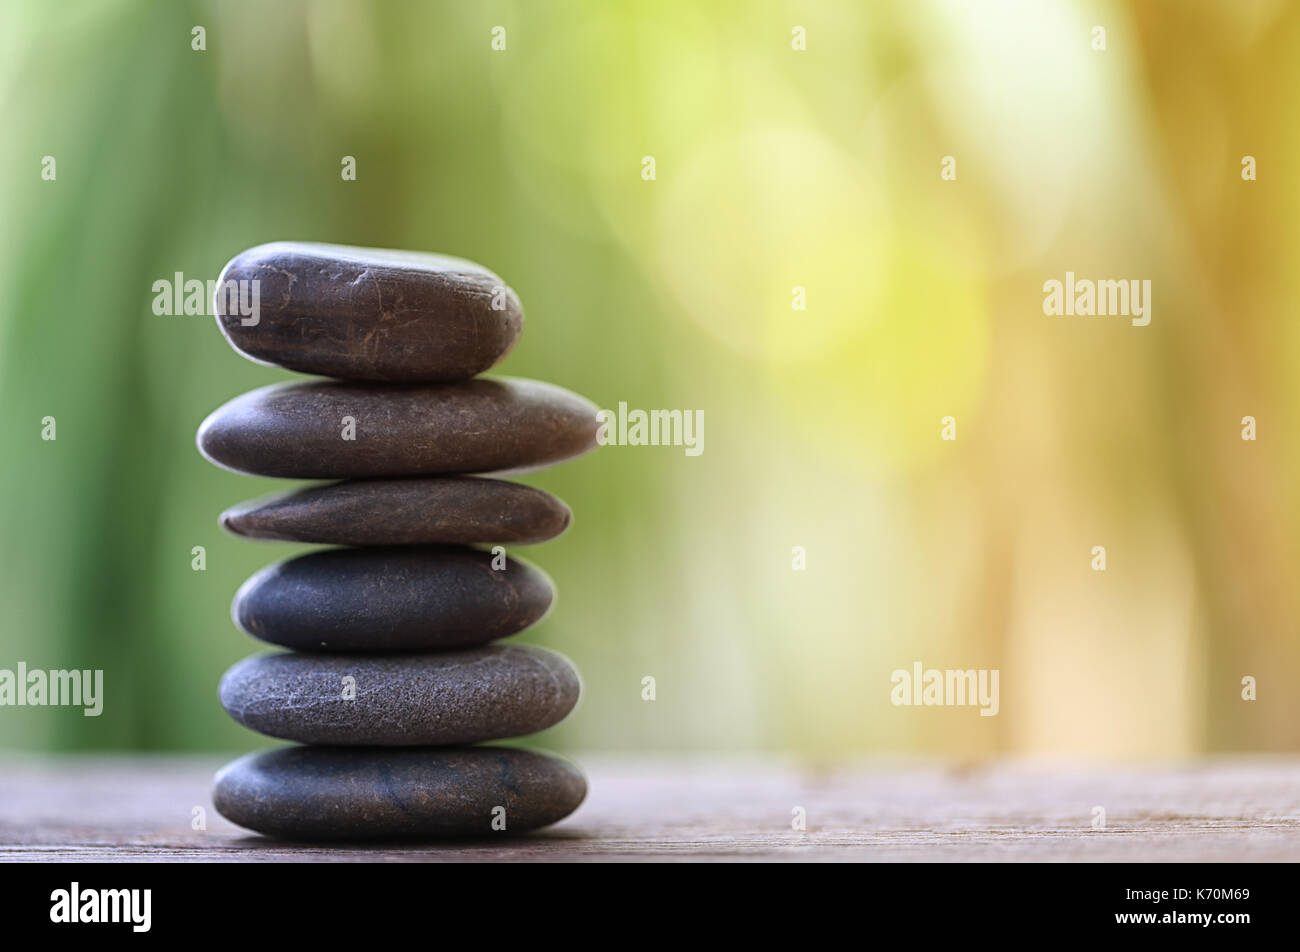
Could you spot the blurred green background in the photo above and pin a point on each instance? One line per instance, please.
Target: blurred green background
(775, 168)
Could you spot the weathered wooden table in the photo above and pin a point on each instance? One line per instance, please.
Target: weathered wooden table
(143, 809)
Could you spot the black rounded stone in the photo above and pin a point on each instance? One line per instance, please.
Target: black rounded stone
(335, 430)
(412, 511)
(412, 598)
(448, 698)
(333, 793)
(368, 313)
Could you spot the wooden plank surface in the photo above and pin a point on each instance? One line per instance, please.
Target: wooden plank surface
(141, 809)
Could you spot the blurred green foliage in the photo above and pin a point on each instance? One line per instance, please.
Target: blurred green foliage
(776, 168)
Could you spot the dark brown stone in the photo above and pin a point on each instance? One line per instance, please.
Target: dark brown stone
(333, 793)
(415, 511)
(452, 697)
(414, 598)
(298, 430)
(370, 314)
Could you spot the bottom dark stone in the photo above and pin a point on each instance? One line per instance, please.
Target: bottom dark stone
(319, 793)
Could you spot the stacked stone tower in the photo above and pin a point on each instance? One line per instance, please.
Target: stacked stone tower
(393, 671)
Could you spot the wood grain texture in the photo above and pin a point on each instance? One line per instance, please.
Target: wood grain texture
(139, 809)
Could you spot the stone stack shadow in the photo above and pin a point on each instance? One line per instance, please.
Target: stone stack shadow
(393, 672)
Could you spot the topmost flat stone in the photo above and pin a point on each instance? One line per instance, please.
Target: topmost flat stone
(367, 313)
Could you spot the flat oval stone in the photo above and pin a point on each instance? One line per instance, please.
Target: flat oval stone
(418, 510)
(331, 430)
(332, 793)
(391, 599)
(367, 313)
(453, 697)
